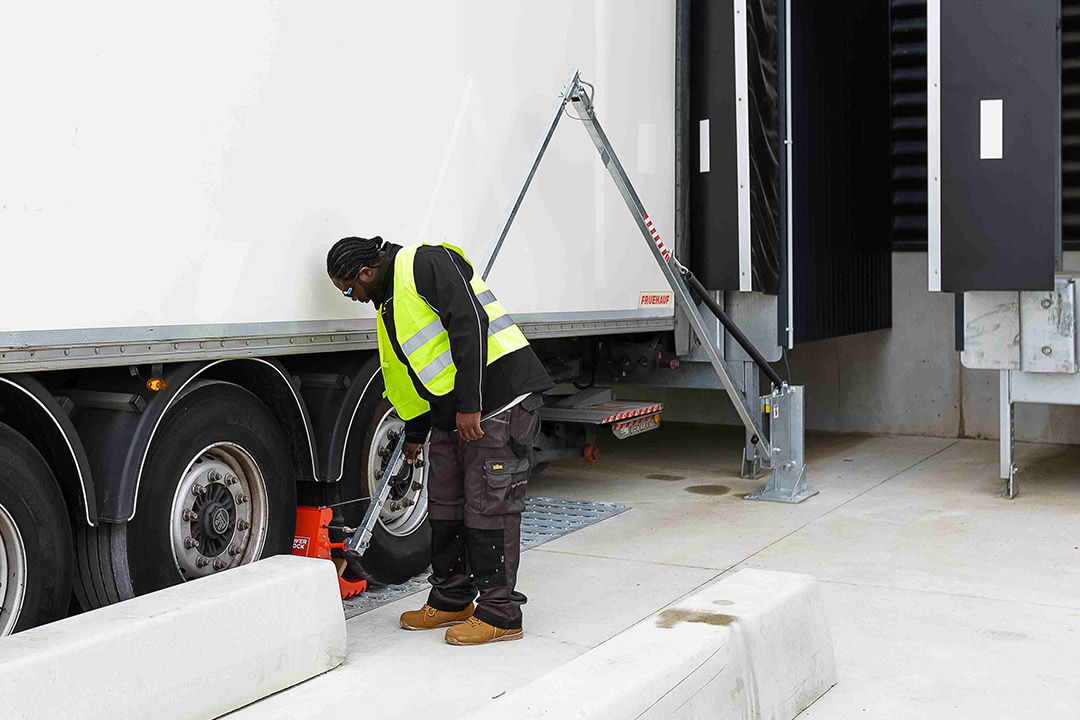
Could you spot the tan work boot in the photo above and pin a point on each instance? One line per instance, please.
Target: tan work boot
(428, 618)
(477, 632)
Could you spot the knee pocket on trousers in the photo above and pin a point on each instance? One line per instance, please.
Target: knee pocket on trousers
(488, 558)
(505, 482)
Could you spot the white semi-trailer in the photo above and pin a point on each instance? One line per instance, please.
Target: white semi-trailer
(177, 374)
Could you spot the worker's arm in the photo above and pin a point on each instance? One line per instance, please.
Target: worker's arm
(416, 430)
(442, 279)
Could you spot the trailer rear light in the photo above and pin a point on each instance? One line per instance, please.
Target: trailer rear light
(156, 384)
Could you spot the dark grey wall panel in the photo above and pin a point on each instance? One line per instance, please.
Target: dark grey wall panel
(999, 217)
(762, 70)
(907, 24)
(841, 189)
(1070, 124)
(714, 195)
(714, 208)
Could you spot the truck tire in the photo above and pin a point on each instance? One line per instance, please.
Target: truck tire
(401, 542)
(217, 491)
(35, 538)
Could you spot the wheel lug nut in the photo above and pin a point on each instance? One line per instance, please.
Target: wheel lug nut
(395, 506)
(234, 551)
(242, 524)
(202, 562)
(231, 480)
(219, 564)
(384, 451)
(407, 502)
(417, 485)
(378, 474)
(418, 463)
(190, 516)
(197, 490)
(215, 476)
(241, 498)
(191, 543)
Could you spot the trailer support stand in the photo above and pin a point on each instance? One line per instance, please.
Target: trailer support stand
(787, 482)
(1008, 440)
(751, 458)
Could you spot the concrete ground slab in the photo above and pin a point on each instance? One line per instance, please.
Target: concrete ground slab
(945, 601)
(941, 527)
(920, 655)
(688, 500)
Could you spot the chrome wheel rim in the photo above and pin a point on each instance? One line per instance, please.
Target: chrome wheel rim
(12, 572)
(219, 514)
(406, 510)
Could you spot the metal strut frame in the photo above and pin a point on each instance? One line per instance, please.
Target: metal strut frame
(787, 482)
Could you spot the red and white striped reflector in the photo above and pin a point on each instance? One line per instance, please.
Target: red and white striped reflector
(656, 239)
(632, 414)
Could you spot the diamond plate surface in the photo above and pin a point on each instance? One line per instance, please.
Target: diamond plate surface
(544, 519)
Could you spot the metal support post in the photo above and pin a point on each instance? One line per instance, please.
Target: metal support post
(523, 186)
(788, 480)
(751, 459)
(668, 264)
(1007, 443)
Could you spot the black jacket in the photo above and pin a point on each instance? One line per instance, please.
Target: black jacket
(442, 280)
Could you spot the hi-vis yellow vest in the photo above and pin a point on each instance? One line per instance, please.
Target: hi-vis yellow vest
(425, 342)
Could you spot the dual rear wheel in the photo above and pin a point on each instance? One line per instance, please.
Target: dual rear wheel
(217, 491)
(35, 538)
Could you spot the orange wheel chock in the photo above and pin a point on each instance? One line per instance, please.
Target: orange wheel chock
(312, 539)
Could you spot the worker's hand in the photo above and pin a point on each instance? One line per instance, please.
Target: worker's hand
(412, 451)
(468, 426)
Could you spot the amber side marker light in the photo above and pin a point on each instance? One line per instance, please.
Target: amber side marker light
(156, 384)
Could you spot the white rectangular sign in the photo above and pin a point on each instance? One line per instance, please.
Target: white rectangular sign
(703, 144)
(991, 129)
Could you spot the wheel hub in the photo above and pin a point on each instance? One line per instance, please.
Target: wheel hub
(12, 572)
(406, 507)
(219, 512)
(215, 520)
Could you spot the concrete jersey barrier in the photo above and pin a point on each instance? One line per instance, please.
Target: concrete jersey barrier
(196, 650)
(754, 645)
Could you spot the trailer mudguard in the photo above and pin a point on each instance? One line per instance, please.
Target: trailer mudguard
(45, 424)
(117, 441)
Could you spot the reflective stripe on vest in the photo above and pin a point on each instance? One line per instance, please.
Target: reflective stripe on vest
(425, 342)
(418, 340)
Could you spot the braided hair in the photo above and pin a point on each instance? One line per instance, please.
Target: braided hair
(349, 255)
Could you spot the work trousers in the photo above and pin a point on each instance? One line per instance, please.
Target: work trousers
(476, 494)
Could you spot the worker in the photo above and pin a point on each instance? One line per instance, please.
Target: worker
(454, 363)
